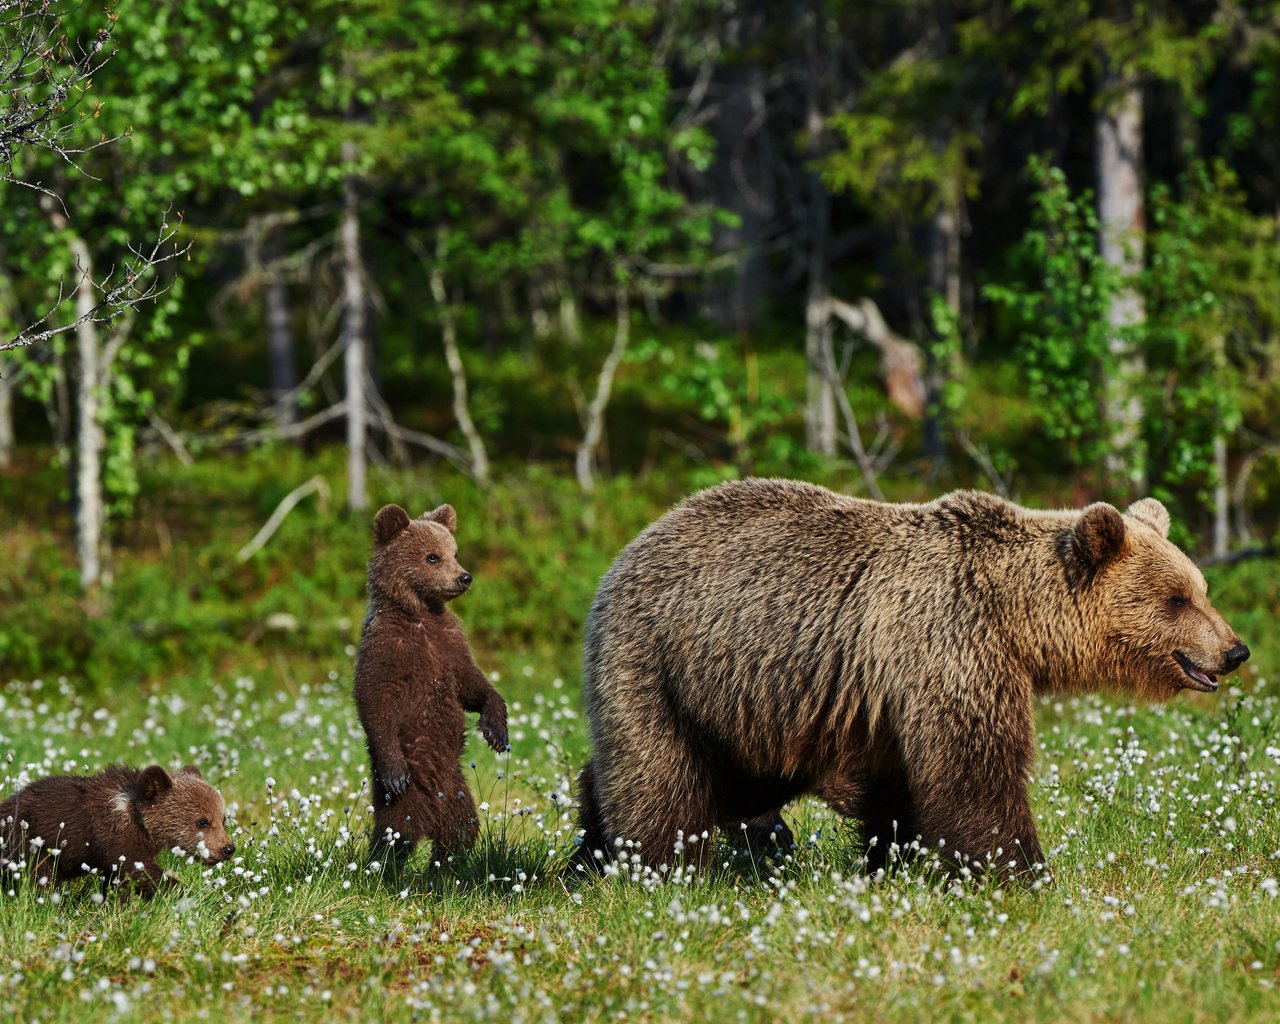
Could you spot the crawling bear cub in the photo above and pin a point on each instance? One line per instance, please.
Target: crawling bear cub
(415, 677)
(112, 825)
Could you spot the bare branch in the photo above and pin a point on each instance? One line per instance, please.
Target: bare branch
(139, 283)
(316, 485)
(47, 78)
(584, 462)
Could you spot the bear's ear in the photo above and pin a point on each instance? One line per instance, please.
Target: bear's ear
(1099, 534)
(445, 516)
(388, 524)
(190, 769)
(152, 783)
(1151, 512)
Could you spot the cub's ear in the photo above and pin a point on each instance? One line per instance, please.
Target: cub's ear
(190, 769)
(1151, 512)
(153, 783)
(445, 516)
(388, 524)
(1099, 534)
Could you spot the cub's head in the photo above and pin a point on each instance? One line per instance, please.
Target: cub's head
(1149, 601)
(184, 811)
(415, 561)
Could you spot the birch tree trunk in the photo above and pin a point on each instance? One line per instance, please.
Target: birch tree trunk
(90, 439)
(457, 370)
(944, 281)
(280, 359)
(8, 370)
(1121, 222)
(353, 332)
(7, 373)
(585, 461)
(820, 405)
(1221, 499)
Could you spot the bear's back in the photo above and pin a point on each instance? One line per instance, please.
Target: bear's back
(765, 608)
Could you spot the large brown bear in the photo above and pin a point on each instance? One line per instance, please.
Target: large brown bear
(415, 677)
(768, 638)
(111, 825)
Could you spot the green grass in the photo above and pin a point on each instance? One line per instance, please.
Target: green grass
(1161, 823)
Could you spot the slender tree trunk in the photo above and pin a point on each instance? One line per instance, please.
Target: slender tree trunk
(281, 364)
(7, 374)
(8, 368)
(569, 325)
(1221, 499)
(353, 331)
(820, 404)
(585, 461)
(944, 281)
(457, 370)
(1121, 223)
(90, 440)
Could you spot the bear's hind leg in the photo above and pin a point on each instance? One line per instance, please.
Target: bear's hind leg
(883, 808)
(452, 826)
(591, 823)
(764, 834)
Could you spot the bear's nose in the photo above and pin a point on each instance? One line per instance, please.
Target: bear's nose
(229, 849)
(1236, 657)
(465, 581)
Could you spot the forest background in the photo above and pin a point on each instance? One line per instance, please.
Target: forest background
(265, 266)
(1030, 247)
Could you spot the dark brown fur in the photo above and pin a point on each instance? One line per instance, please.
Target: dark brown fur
(111, 825)
(415, 677)
(769, 638)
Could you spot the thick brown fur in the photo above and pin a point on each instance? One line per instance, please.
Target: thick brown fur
(415, 676)
(770, 638)
(112, 825)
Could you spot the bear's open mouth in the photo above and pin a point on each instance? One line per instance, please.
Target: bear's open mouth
(1203, 680)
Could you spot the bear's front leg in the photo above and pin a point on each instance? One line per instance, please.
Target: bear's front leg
(968, 760)
(977, 814)
(477, 694)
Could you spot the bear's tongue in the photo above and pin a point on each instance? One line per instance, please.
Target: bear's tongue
(1195, 673)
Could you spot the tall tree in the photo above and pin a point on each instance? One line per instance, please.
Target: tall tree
(1121, 222)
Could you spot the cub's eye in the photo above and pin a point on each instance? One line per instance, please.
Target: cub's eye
(433, 559)
(1179, 601)
(202, 823)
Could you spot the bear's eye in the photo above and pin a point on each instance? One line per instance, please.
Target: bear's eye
(1179, 601)
(202, 823)
(433, 559)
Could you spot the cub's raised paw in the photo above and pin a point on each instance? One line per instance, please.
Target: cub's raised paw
(494, 733)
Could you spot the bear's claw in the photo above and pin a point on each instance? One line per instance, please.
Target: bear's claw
(495, 736)
(395, 785)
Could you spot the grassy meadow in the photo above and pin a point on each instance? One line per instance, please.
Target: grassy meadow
(1161, 823)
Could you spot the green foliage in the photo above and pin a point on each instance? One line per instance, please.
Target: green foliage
(1064, 337)
(730, 391)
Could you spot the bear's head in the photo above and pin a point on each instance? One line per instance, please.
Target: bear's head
(183, 811)
(1148, 601)
(415, 561)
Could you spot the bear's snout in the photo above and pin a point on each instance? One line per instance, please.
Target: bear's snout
(464, 581)
(229, 851)
(1235, 657)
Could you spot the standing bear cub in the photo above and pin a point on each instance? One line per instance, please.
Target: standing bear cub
(415, 676)
(111, 825)
(769, 638)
